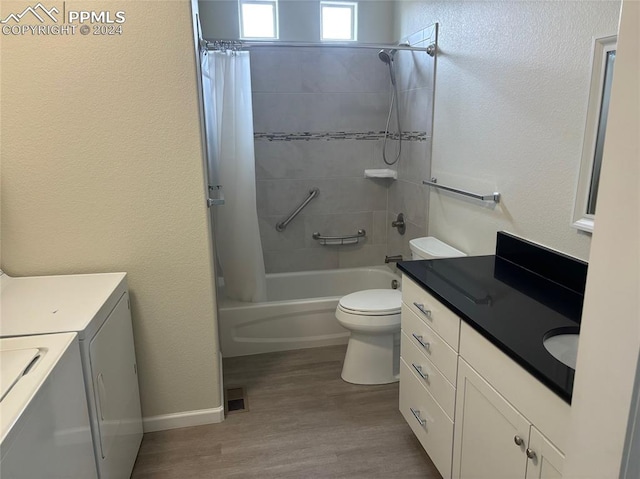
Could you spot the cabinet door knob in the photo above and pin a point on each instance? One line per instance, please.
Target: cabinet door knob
(531, 454)
(518, 440)
(423, 310)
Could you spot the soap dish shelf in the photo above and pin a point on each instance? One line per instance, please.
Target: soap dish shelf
(381, 173)
(339, 240)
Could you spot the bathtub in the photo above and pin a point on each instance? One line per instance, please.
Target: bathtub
(299, 312)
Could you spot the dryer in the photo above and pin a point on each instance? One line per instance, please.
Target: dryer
(44, 422)
(97, 308)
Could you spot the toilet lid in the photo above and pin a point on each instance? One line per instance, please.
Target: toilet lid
(376, 301)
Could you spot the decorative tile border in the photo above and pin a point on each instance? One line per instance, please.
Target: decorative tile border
(339, 135)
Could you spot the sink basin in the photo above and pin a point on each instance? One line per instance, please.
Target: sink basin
(563, 347)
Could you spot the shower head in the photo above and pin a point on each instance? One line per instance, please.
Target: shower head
(387, 55)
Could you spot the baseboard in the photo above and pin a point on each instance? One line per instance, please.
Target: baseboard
(183, 419)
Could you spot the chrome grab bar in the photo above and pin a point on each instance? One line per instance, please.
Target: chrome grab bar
(495, 196)
(313, 192)
(337, 240)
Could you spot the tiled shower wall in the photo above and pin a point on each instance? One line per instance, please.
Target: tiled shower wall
(319, 117)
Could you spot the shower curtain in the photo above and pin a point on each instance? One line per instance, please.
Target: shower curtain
(231, 161)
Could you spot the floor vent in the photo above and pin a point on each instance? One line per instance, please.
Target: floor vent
(235, 400)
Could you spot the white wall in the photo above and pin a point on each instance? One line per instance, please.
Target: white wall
(512, 86)
(102, 171)
(610, 332)
(299, 20)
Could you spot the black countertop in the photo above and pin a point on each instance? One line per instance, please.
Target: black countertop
(510, 306)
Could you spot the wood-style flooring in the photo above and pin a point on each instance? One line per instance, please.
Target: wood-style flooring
(303, 422)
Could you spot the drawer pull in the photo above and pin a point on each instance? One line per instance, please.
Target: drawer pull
(416, 414)
(422, 342)
(423, 310)
(531, 454)
(419, 370)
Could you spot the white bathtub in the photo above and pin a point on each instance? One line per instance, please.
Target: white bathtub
(299, 312)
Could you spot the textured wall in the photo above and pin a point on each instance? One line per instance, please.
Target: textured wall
(510, 108)
(102, 171)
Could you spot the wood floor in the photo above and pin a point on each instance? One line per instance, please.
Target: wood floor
(303, 422)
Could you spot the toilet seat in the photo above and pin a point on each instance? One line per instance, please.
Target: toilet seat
(372, 302)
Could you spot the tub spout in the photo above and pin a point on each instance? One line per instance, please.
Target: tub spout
(393, 259)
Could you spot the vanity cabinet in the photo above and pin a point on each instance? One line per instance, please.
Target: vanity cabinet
(477, 413)
(492, 439)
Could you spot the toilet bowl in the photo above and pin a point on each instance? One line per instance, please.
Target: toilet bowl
(373, 318)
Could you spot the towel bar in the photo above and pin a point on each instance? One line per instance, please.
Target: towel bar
(495, 196)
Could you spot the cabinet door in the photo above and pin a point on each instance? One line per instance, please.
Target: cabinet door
(546, 461)
(490, 435)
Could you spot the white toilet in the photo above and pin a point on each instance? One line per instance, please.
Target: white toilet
(373, 317)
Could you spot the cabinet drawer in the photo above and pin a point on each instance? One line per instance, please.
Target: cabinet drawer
(427, 420)
(431, 311)
(430, 344)
(428, 375)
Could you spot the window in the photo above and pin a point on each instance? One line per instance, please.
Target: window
(601, 78)
(258, 18)
(338, 21)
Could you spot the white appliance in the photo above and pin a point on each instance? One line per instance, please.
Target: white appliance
(43, 414)
(96, 307)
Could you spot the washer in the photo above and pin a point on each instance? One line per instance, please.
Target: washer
(97, 308)
(44, 422)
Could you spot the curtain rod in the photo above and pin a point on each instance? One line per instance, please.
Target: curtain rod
(244, 44)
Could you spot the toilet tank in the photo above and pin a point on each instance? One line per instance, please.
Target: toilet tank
(431, 248)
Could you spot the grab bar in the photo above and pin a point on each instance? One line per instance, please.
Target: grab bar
(495, 196)
(337, 240)
(313, 192)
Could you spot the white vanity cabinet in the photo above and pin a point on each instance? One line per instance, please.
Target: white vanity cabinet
(477, 413)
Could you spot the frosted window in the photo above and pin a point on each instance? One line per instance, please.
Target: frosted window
(338, 20)
(258, 19)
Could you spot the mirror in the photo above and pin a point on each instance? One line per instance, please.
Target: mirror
(604, 54)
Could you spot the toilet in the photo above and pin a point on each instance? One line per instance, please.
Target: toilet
(432, 248)
(373, 318)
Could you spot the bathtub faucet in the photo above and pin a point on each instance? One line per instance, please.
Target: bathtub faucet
(393, 259)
